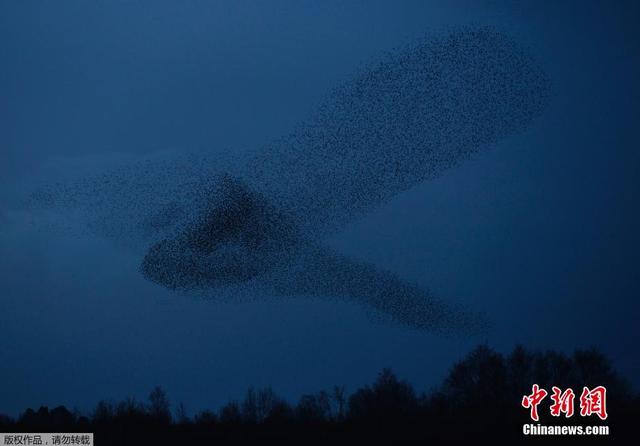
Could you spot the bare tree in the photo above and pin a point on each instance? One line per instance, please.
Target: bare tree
(159, 406)
(340, 399)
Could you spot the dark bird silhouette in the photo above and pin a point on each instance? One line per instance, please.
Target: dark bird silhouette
(262, 218)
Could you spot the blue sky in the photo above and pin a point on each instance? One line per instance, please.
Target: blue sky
(540, 232)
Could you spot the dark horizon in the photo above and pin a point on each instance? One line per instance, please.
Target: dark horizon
(533, 232)
(475, 399)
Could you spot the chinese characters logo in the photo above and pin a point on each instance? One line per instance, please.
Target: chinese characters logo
(592, 402)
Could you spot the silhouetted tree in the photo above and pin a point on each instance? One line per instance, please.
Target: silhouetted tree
(61, 418)
(340, 401)
(480, 396)
(480, 379)
(314, 408)
(231, 413)
(181, 416)
(281, 412)
(103, 411)
(159, 406)
(250, 406)
(388, 399)
(265, 402)
(206, 418)
(5, 422)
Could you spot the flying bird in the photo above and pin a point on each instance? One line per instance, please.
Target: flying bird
(262, 218)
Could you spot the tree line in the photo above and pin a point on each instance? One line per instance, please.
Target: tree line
(479, 398)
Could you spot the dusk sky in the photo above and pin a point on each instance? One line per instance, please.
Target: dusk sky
(539, 233)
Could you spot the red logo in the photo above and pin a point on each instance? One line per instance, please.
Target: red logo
(532, 401)
(592, 402)
(562, 402)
